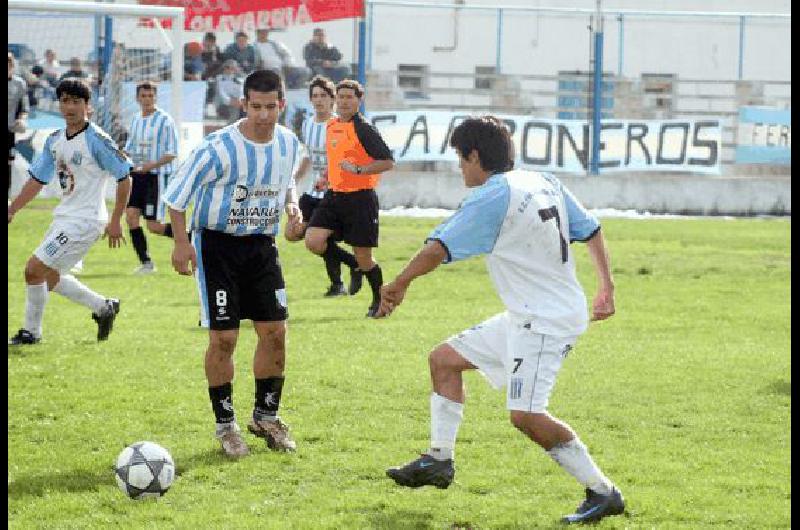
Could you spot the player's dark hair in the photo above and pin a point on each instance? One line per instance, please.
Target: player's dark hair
(241, 34)
(263, 81)
(146, 85)
(488, 136)
(352, 84)
(324, 83)
(72, 86)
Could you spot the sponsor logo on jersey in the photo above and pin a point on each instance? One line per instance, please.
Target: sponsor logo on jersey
(76, 158)
(515, 388)
(243, 193)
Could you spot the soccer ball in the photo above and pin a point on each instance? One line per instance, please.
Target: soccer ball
(144, 469)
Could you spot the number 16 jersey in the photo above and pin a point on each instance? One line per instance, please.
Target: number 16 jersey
(525, 221)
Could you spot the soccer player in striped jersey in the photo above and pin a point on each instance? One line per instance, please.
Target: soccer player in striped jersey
(153, 145)
(321, 91)
(240, 179)
(83, 157)
(524, 221)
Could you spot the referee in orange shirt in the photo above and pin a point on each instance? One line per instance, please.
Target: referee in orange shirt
(357, 155)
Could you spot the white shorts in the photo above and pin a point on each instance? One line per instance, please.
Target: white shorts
(509, 354)
(67, 241)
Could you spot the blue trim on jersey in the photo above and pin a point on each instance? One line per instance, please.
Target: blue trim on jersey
(43, 168)
(105, 152)
(282, 144)
(227, 192)
(474, 228)
(250, 154)
(204, 199)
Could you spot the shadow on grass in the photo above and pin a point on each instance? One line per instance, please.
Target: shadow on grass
(781, 387)
(74, 480)
(320, 320)
(401, 519)
(205, 458)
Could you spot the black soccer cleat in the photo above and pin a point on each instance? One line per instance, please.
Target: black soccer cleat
(373, 309)
(356, 281)
(336, 289)
(105, 320)
(597, 506)
(424, 471)
(23, 337)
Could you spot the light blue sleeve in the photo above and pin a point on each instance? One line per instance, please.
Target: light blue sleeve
(582, 224)
(201, 166)
(170, 145)
(108, 156)
(44, 166)
(474, 228)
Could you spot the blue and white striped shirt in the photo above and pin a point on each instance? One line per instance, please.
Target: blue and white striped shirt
(313, 137)
(150, 138)
(238, 186)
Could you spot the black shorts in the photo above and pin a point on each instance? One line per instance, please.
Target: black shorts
(145, 196)
(11, 142)
(239, 277)
(353, 217)
(307, 206)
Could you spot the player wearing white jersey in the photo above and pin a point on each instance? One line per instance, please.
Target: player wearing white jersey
(321, 91)
(524, 221)
(240, 179)
(153, 145)
(83, 157)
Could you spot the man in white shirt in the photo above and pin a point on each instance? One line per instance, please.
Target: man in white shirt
(524, 221)
(229, 93)
(83, 157)
(274, 55)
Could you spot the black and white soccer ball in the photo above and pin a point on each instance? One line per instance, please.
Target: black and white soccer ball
(144, 469)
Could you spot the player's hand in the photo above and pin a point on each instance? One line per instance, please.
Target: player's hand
(321, 184)
(295, 229)
(603, 306)
(114, 233)
(348, 166)
(392, 295)
(184, 255)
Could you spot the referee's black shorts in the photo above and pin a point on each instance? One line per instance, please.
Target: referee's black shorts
(307, 205)
(145, 196)
(239, 277)
(352, 216)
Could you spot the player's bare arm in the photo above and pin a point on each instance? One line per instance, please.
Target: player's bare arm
(114, 227)
(603, 305)
(392, 294)
(29, 191)
(183, 253)
(147, 167)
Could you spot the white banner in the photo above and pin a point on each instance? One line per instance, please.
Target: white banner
(565, 145)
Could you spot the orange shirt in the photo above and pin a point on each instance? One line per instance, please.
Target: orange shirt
(359, 143)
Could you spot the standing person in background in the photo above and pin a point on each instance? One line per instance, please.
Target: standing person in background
(228, 99)
(83, 158)
(357, 155)
(242, 52)
(17, 112)
(153, 145)
(240, 178)
(321, 92)
(212, 64)
(524, 221)
(274, 55)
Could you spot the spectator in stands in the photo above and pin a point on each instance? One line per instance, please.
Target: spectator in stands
(274, 55)
(229, 92)
(75, 70)
(17, 111)
(242, 52)
(323, 58)
(52, 68)
(212, 64)
(192, 61)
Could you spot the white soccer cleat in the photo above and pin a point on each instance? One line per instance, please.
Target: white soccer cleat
(145, 268)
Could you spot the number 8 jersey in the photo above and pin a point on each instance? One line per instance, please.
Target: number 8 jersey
(82, 163)
(524, 221)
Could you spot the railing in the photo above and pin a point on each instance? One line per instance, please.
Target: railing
(569, 96)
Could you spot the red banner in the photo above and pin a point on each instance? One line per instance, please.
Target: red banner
(249, 15)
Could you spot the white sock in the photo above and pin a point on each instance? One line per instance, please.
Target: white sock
(35, 301)
(74, 290)
(446, 418)
(574, 458)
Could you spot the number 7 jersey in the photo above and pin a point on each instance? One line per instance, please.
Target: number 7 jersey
(525, 221)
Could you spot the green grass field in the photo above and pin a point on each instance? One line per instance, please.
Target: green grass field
(683, 397)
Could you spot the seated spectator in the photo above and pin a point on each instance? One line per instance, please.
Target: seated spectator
(323, 59)
(230, 92)
(274, 55)
(192, 62)
(242, 52)
(52, 68)
(75, 70)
